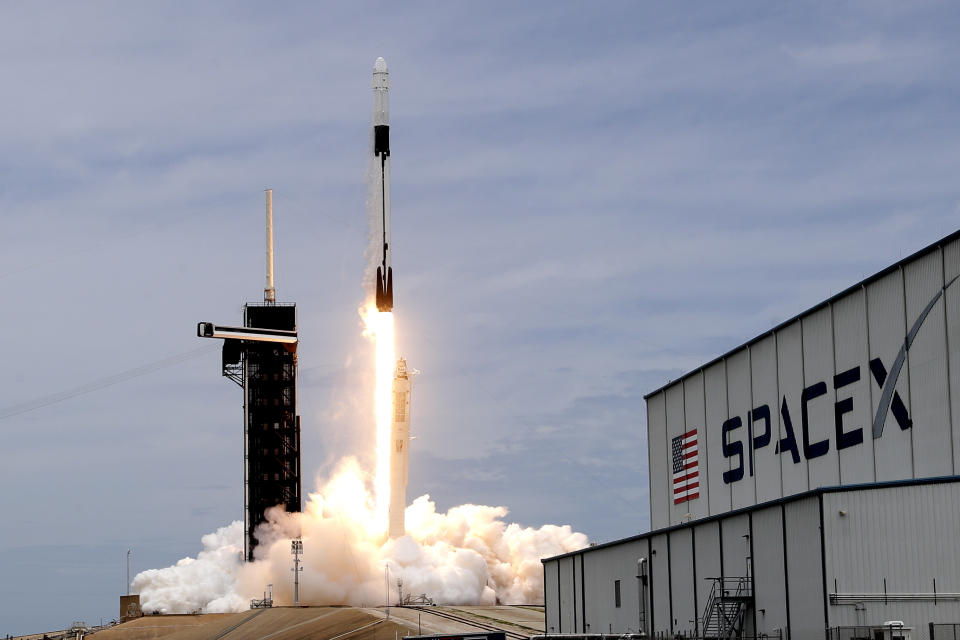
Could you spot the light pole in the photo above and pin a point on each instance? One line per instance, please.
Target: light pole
(296, 548)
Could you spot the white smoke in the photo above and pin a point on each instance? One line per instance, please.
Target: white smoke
(467, 555)
(206, 583)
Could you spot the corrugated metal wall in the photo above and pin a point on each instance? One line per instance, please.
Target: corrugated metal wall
(927, 369)
(739, 403)
(682, 560)
(850, 353)
(551, 590)
(951, 310)
(906, 536)
(886, 316)
(766, 462)
(660, 607)
(681, 582)
(695, 408)
(735, 550)
(715, 399)
(884, 540)
(658, 459)
(707, 544)
(602, 568)
(769, 577)
(565, 610)
(898, 540)
(821, 378)
(804, 575)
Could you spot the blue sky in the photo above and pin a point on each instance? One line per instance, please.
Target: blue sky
(588, 200)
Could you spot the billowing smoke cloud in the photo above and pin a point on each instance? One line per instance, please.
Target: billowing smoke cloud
(206, 583)
(468, 555)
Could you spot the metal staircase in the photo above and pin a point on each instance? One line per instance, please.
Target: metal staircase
(727, 606)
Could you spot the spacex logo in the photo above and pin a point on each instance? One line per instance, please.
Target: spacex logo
(845, 437)
(891, 381)
(796, 438)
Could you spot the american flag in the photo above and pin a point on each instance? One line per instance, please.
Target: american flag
(686, 477)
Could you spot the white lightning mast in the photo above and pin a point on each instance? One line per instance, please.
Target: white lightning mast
(269, 293)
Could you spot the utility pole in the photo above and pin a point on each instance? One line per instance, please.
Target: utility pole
(296, 548)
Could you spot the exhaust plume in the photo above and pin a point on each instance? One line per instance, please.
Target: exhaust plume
(467, 555)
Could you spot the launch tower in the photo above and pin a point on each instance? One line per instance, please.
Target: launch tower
(261, 357)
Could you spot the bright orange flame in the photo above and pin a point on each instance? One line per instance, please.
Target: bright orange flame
(379, 327)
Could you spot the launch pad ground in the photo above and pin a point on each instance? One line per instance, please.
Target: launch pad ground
(516, 622)
(327, 623)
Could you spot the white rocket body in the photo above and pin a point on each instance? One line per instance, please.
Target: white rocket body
(399, 449)
(381, 154)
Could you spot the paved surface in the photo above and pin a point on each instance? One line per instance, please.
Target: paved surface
(526, 621)
(529, 619)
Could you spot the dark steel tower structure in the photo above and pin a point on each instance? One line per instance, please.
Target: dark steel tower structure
(261, 357)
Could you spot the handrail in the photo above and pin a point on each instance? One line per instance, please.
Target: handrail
(716, 615)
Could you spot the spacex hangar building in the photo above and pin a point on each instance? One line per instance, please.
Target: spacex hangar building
(803, 485)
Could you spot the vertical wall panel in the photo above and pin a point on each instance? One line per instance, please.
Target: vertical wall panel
(661, 582)
(893, 451)
(850, 348)
(804, 574)
(565, 613)
(676, 426)
(602, 567)
(736, 546)
(818, 376)
(707, 546)
(657, 455)
(577, 594)
(768, 578)
(551, 596)
(766, 461)
(696, 419)
(877, 537)
(951, 269)
(715, 387)
(681, 571)
(790, 375)
(927, 362)
(738, 407)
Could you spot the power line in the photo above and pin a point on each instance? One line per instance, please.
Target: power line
(103, 383)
